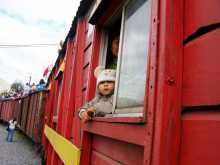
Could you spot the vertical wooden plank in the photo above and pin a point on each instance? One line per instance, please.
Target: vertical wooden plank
(80, 37)
(166, 135)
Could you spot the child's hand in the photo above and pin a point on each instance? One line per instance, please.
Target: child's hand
(84, 116)
(91, 111)
(87, 115)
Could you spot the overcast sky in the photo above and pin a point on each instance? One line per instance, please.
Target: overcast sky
(32, 22)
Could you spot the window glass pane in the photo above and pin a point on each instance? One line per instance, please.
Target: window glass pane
(135, 42)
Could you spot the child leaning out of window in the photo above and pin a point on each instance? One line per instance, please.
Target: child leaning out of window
(102, 103)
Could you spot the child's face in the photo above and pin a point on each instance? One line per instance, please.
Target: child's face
(106, 87)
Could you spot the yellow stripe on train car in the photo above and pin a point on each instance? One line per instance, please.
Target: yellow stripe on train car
(67, 152)
(62, 66)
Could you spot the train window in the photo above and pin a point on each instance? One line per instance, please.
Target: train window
(110, 42)
(129, 28)
(133, 50)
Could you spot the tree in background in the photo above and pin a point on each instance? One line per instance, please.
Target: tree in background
(4, 94)
(17, 88)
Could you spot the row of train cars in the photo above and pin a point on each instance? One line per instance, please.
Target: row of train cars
(29, 113)
(168, 71)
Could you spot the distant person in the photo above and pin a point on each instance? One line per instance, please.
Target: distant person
(19, 94)
(42, 82)
(102, 103)
(33, 87)
(41, 85)
(11, 129)
(27, 89)
(112, 57)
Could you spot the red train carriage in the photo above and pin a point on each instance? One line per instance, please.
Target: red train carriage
(18, 110)
(166, 100)
(7, 110)
(0, 107)
(35, 115)
(166, 103)
(29, 112)
(24, 113)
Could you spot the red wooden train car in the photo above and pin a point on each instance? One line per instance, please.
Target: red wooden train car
(166, 100)
(18, 110)
(29, 112)
(35, 116)
(7, 110)
(0, 107)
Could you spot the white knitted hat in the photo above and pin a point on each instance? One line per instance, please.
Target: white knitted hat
(104, 74)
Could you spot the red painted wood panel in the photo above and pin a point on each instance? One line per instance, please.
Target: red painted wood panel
(85, 77)
(18, 110)
(65, 92)
(94, 62)
(65, 114)
(119, 151)
(57, 86)
(87, 55)
(167, 94)
(70, 75)
(3, 111)
(201, 71)
(29, 116)
(8, 110)
(4, 114)
(36, 131)
(38, 122)
(24, 113)
(117, 130)
(80, 44)
(33, 114)
(100, 159)
(36, 126)
(199, 13)
(84, 96)
(48, 119)
(1, 103)
(200, 138)
(86, 66)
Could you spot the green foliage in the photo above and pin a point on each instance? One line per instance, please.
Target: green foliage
(17, 86)
(4, 94)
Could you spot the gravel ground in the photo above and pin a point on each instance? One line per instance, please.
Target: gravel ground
(21, 151)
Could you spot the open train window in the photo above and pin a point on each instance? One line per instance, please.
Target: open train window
(132, 25)
(110, 42)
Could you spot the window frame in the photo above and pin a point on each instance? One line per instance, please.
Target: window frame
(139, 116)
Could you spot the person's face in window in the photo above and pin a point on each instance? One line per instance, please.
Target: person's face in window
(106, 87)
(114, 46)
